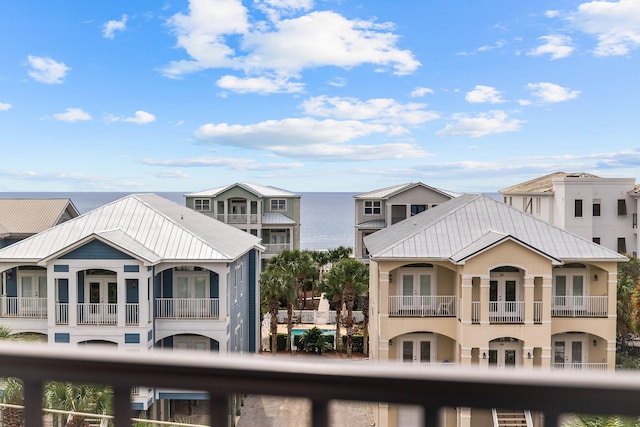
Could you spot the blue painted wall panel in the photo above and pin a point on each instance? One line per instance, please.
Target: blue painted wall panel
(62, 338)
(96, 249)
(59, 268)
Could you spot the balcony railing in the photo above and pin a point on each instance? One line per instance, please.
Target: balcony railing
(276, 247)
(187, 308)
(221, 376)
(579, 306)
(26, 308)
(422, 306)
(506, 311)
(579, 367)
(97, 314)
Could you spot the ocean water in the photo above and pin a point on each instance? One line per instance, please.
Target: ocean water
(327, 219)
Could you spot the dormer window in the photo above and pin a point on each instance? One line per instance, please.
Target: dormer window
(202, 204)
(372, 207)
(278, 205)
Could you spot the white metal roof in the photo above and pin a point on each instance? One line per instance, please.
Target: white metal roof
(147, 225)
(257, 189)
(461, 227)
(376, 223)
(30, 216)
(276, 219)
(385, 193)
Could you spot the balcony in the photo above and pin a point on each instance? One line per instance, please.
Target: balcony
(422, 306)
(24, 308)
(276, 247)
(573, 367)
(579, 306)
(550, 393)
(188, 308)
(238, 218)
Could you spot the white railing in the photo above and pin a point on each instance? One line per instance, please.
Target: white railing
(475, 312)
(506, 311)
(62, 313)
(132, 314)
(579, 306)
(315, 317)
(579, 366)
(187, 308)
(276, 247)
(237, 218)
(422, 306)
(222, 376)
(537, 312)
(97, 314)
(27, 308)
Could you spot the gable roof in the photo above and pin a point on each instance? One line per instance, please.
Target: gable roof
(153, 228)
(257, 189)
(544, 183)
(25, 217)
(461, 227)
(385, 193)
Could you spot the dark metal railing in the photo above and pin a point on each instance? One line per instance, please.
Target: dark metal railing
(552, 394)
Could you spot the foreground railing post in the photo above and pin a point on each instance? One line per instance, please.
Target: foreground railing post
(320, 413)
(32, 403)
(122, 406)
(218, 410)
(550, 419)
(431, 417)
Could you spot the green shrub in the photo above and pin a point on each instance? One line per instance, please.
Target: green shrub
(358, 346)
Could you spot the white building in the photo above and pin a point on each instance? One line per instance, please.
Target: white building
(603, 210)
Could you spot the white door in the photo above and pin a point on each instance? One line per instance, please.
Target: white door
(504, 355)
(191, 295)
(417, 349)
(103, 300)
(569, 292)
(568, 353)
(191, 342)
(416, 292)
(503, 299)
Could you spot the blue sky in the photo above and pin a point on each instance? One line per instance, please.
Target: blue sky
(324, 95)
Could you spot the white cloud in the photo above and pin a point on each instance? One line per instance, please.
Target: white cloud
(420, 92)
(557, 46)
(46, 70)
(481, 125)
(311, 138)
(140, 117)
(551, 13)
(550, 92)
(171, 173)
(262, 85)
(484, 48)
(4, 106)
(281, 47)
(277, 8)
(223, 162)
(72, 115)
(109, 29)
(380, 110)
(615, 24)
(484, 94)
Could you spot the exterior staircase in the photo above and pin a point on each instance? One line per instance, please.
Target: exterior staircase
(511, 418)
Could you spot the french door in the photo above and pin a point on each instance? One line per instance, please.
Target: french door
(191, 295)
(416, 292)
(417, 349)
(504, 355)
(569, 292)
(503, 300)
(568, 353)
(102, 307)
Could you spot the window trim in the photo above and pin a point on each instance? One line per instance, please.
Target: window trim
(596, 208)
(278, 205)
(622, 207)
(577, 208)
(199, 204)
(373, 206)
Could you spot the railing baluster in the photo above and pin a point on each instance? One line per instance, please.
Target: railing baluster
(32, 403)
(320, 413)
(122, 406)
(218, 410)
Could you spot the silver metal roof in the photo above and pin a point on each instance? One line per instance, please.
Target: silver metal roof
(257, 189)
(471, 223)
(385, 193)
(277, 219)
(376, 223)
(30, 216)
(147, 225)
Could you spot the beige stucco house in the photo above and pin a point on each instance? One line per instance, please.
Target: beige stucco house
(476, 282)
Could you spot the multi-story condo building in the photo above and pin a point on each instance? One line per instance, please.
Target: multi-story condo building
(603, 210)
(266, 212)
(21, 218)
(139, 273)
(378, 209)
(475, 282)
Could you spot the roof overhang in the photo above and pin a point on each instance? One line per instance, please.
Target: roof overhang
(496, 239)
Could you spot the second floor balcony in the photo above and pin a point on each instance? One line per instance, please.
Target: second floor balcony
(422, 306)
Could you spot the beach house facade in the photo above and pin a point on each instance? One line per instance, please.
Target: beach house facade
(475, 282)
(603, 210)
(378, 209)
(137, 274)
(24, 217)
(270, 213)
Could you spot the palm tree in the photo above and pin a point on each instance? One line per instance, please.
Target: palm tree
(12, 417)
(334, 291)
(272, 290)
(315, 341)
(352, 276)
(87, 398)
